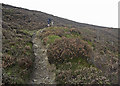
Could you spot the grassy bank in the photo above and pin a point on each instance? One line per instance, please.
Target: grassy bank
(69, 53)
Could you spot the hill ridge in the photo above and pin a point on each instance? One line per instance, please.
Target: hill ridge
(82, 24)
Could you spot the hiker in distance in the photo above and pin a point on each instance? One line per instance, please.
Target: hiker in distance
(50, 22)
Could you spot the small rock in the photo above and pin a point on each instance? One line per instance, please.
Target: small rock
(35, 54)
(43, 51)
(46, 58)
(34, 80)
(36, 46)
(41, 31)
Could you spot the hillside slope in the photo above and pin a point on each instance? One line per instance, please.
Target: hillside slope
(19, 25)
(71, 55)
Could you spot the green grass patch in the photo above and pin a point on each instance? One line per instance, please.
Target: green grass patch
(90, 43)
(52, 38)
(29, 44)
(29, 32)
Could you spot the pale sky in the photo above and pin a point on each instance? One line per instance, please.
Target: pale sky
(96, 12)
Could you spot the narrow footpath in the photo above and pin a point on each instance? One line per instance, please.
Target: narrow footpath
(42, 71)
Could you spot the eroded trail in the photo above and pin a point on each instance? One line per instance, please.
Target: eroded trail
(42, 69)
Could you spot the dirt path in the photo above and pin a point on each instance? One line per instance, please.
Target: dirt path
(42, 69)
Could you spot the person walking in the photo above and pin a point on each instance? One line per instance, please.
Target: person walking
(49, 21)
(52, 23)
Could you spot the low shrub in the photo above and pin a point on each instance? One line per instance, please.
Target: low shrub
(75, 31)
(7, 60)
(82, 75)
(68, 48)
(25, 62)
